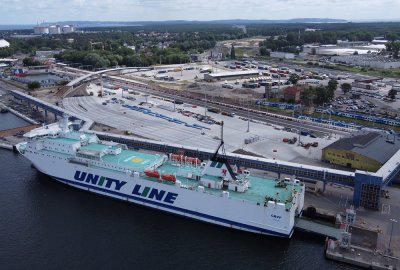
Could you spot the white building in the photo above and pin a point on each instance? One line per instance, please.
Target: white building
(4, 44)
(374, 61)
(282, 55)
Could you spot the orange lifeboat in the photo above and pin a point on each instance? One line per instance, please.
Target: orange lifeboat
(194, 161)
(168, 177)
(152, 173)
(177, 157)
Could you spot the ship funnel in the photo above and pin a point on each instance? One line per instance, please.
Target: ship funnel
(64, 124)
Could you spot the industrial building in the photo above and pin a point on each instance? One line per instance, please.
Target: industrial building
(282, 55)
(53, 29)
(374, 61)
(212, 77)
(366, 151)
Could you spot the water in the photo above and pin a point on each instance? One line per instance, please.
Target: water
(47, 225)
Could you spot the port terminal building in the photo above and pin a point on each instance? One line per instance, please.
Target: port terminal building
(367, 151)
(231, 75)
(367, 186)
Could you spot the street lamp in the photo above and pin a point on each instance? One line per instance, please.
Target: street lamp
(248, 116)
(391, 231)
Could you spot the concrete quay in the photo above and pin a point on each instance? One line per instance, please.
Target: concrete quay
(360, 257)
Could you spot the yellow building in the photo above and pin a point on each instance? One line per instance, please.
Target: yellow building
(365, 151)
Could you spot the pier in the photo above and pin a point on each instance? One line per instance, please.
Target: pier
(367, 186)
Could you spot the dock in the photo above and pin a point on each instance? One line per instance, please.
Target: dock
(360, 257)
(6, 146)
(313, 227)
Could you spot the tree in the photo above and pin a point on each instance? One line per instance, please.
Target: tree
(346, 87)
(33, 85)
(331, 88)
(294, 78)
(392, 94)
(393, 47)
(355, 53)
(233, 56)
(391, 36)
(313, 51)
(29, 62)
(264, 51)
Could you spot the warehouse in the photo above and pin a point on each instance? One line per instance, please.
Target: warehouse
(374, 61)
(212, 77)
(366, 151)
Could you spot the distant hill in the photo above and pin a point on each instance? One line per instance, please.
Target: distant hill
(232, 21)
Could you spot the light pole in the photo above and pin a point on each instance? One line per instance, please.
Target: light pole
(248, 117)
(205, 103)
(391, 231)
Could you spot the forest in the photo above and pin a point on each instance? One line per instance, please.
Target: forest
(173, 43)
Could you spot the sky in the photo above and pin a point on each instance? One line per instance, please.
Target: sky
(33, 11)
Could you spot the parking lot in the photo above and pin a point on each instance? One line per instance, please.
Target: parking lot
(154, 117)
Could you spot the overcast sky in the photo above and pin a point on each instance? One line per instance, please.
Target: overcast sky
(32, 11)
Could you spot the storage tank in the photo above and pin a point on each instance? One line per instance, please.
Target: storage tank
(41, 30)
(54, 29)
(67, 29)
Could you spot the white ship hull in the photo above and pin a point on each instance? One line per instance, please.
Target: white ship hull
(229, 212)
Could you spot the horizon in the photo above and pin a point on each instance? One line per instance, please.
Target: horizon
(18, 12)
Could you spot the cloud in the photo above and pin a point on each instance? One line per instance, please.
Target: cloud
(22, 11)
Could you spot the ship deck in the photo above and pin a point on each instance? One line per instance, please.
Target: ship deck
(260, 187)
(138, 161)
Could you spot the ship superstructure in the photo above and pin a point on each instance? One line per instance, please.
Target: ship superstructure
(210, 191)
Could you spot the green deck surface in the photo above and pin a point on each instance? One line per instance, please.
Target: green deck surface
(134, 160)
(260, 187)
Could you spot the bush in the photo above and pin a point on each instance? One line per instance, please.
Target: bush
(33, 85)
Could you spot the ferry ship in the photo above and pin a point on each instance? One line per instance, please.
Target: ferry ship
(212, 191)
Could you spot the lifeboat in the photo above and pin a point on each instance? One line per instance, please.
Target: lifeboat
(168, 177)
(194, 161)
(177, 157)
(152, 173)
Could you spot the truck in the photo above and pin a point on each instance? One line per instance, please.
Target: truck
(230, 114)
(214, 110)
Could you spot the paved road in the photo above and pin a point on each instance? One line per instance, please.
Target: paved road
(265, 118)
(140, 124)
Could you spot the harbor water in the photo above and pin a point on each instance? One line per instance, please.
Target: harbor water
(47, 225)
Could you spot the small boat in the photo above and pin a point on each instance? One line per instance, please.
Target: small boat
(168, 177)
(152, 173)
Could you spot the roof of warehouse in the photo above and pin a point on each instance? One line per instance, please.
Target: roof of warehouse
(234, 73)
(373, 145)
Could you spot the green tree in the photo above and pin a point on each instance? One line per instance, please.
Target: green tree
(28, 62)
(355, 53)
(33, 85)
(346, 87)
(294, 78)
(264, 51)
(321, 95)
(233, 56)
(393, 47)
(331, 88)
(313, 51)
(392, 94)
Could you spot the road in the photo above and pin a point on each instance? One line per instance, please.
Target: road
(240, 112)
